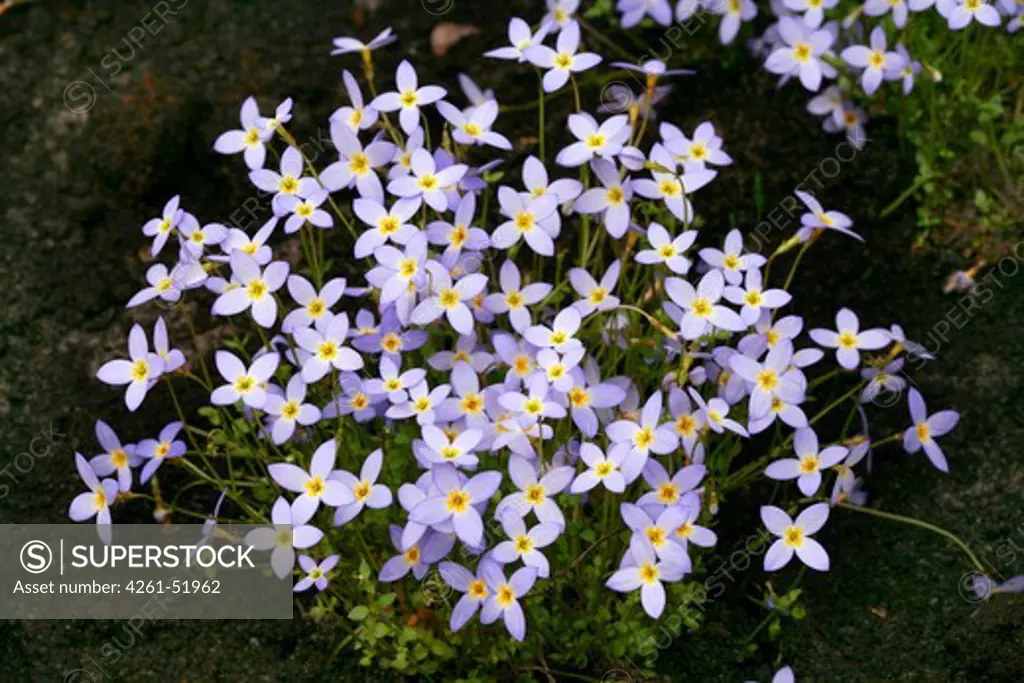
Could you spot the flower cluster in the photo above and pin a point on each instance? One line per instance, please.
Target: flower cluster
(805, 43)
(529, 393)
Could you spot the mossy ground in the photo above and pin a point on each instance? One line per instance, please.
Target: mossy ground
(77, 188)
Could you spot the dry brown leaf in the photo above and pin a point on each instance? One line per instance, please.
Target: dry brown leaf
(446, 34)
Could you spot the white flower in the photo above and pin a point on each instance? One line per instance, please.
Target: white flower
(562, 61)
(252, 288)
(795, 537)
(246, 384)
(140, 373)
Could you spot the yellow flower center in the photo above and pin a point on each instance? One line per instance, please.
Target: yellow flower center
(472, 130)
(422, 404)
(315, 486)
(162, 450)
(670, 187)
(667, 251)
(668, 493)
(477, 590)
(648, 573)
(597, 295)
(256, 290)
(563, 60)
(802, 52)
(615, 195)
(304, 210)
(362, 491)
(393, 384)
(644, 438)
(409, 98)
(793, 537)
(534, 494)
(656, 536)
(524, 221)
(514, 299)
(359, 164)
(290, 410)
(848, 340)
(731, 261)
(924, 432)
(809, 464)
(412, 555)
(359, 401)
(524, 544)
(457, 501)
(288, 185)
(388, 225)
(407, 268)
(327, 350)
(767, 380)
(522, 365)
(252, 137)
(506, 596)
(391, 342)
(244, 384)
(753, 298)
(604, 468)
(559, 338)
(99, 500)
(686, 425)
(448, 298)
(472, 404)
(701, 307)
(595, 141)
(533, 406)
(140, 370)
(459, 235)
(579, 397)
(118, 458)
(428, 182)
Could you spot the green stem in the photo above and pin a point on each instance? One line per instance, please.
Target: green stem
(540, 114)
(918, 523)
(905, 194)
(799, 257)
(309, 164)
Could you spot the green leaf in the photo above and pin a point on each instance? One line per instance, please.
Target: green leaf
(359, 612)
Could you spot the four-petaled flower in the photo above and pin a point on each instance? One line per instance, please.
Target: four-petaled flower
(795, 537)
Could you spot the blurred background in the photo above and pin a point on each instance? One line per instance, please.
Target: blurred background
(110, 108)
